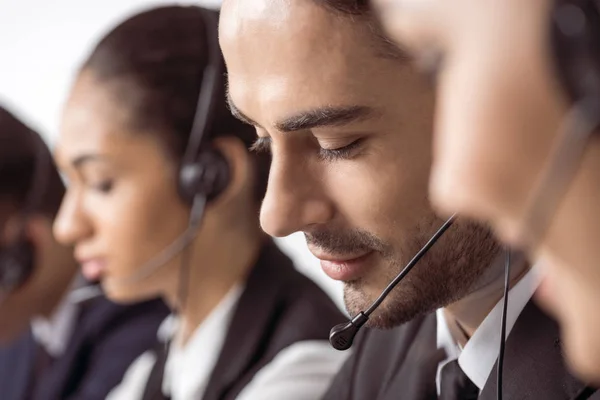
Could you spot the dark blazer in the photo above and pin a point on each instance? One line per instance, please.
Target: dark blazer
(279, 307)
(105, 341)
(401, 364)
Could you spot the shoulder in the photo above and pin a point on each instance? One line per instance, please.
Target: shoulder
(100, 317)
(293, 288)
(296, 304)
(303, 370)
(135, 379)
(378, 357)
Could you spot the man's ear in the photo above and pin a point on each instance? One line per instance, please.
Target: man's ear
(240, 168)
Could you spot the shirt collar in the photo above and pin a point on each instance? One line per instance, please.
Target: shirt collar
(188, 368)
(479, 355)
(54, 332)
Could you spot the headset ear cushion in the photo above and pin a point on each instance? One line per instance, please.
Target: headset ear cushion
(576, 48)
(208, 176)
(16, 264)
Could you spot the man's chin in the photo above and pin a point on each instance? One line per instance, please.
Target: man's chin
(357, 301)
(395, 310)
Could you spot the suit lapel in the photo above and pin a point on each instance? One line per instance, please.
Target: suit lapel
(415, 375)
(153, 390)
(53, 382)
(533, 362)
(249, 324)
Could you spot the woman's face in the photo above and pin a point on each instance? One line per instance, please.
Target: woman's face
(498, 115)
(121, 208)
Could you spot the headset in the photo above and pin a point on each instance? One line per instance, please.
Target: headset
(17, 259)
(575, 42)
(574, 47)
(204, 172)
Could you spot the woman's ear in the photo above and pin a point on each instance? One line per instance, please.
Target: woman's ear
(240, 165)
(37, 231)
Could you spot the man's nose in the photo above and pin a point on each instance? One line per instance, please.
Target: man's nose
(295, 198)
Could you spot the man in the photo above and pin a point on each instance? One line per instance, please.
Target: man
(60, 337)
(512, 155)
(348, 122)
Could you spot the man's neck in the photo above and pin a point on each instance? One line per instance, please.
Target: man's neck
(464, 316)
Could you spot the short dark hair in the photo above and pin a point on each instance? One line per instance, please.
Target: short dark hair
(155, 61)
(350, 7)
(362, 9)
(22, 153)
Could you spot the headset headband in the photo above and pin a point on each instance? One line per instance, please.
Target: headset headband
(209, 89)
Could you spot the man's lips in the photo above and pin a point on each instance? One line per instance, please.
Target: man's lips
(344, 268)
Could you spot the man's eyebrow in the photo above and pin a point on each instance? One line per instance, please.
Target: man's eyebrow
(236, 111)
(328, 116)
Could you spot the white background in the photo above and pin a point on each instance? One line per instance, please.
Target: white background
(42, 42)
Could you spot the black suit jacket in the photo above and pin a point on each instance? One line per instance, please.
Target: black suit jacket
(401, 364)
(279, 307)
(106, 339)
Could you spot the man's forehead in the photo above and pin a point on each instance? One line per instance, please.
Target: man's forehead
(270, 52)
(273, 11)
(259, 25)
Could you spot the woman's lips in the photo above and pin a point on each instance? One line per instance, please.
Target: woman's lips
(93, 269)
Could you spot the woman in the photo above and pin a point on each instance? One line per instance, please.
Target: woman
(247, 324)
(508, 150)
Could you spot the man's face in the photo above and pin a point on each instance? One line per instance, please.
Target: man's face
(350, 135)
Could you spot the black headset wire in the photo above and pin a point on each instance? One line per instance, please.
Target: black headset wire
(201, 124)
(410, 265)
(185, 271)
(503, 324)
(342, 335)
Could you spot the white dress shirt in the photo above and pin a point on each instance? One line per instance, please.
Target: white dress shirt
(303, 371)
(479, 355)
(55, 332)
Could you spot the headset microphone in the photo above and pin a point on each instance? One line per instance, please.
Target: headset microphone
(171, 251)
(342, 335)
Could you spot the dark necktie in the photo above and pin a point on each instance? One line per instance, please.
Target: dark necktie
(455, 385)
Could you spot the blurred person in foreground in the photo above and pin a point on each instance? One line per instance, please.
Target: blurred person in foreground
(348, 121)
(61, 338)
(245, 323)
(516, 137)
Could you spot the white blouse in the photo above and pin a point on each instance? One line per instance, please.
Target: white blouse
(303, 371)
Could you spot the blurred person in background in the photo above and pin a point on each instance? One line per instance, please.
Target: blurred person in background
(245, 323)
(349, 121)
(516, 142)
(60, 337)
